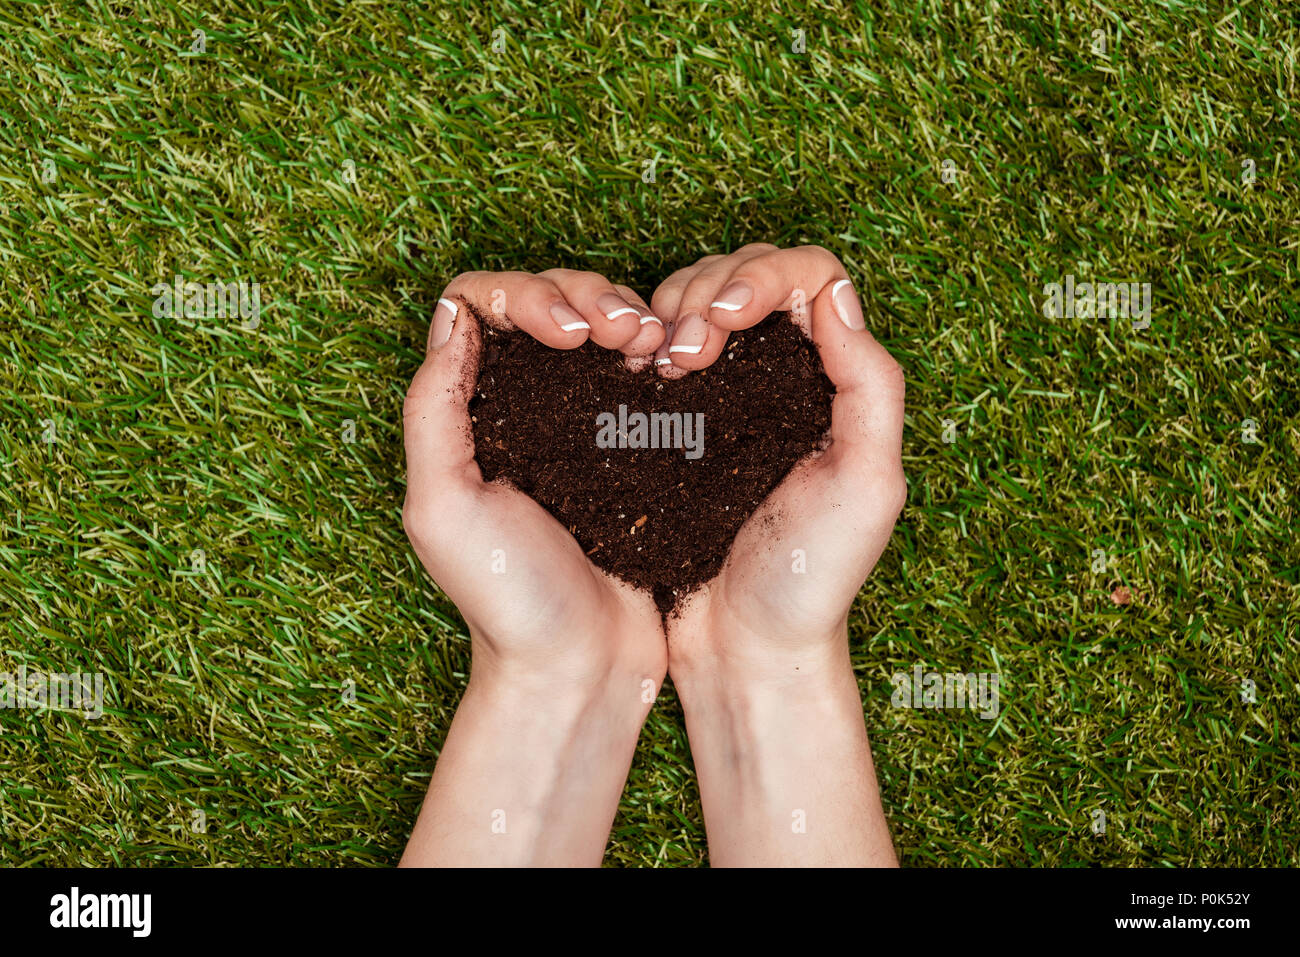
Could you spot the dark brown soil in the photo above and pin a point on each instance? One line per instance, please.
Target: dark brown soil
(654, 517)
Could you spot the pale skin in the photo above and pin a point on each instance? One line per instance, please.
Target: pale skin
(566, 660)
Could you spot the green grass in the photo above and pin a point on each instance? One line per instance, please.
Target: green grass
(171, 436)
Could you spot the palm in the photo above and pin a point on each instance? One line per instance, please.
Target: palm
(801, 572)
(539, 587)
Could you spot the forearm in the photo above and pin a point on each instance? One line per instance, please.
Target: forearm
(531, 771)
(781, 751)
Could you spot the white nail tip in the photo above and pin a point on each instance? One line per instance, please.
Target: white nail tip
(455, 309)
(663, 362)
(645, 319)
(574, 325)
(729, 306)
(620, 312)
(840, 309)
(690, 350)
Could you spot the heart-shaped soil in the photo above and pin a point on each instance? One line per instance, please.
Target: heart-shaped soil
(652, 477)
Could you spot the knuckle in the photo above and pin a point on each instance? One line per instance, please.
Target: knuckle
(820, 255)
(416, 400)
(700, 288)
(415, 520)
(410, 405)
(897, 490)
(893, 378)
(539, 287)
(628, 293)
(459, 282)
(681, 277)
(435, 517)
(587, 281)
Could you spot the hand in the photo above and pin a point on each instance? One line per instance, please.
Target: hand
(759, 655)
(789, 583)
(531, 598)
(565, 659)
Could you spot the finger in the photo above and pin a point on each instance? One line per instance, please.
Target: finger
(669, 292)
(435, 415)
(705, 285)
(613, 319)
(663, 361)
(522, 300)
(867, 411)
(778, 280)
(640, 351)
(697, 342)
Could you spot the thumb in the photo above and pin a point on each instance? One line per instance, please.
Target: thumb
(867, 412)
(435, 416)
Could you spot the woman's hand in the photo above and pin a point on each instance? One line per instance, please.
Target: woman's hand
(798, 563)
(532, 600)
(760, 655)
(566, 660)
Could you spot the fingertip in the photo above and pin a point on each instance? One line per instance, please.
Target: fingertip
(731, 301)
(663, 363)
(687, 347)
(847, 307)
(849, 352)
(452, 333)
(649, 337)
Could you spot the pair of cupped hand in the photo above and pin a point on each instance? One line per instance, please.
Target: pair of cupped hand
(532, 600)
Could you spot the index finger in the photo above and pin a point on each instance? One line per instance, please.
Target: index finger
(783, 280)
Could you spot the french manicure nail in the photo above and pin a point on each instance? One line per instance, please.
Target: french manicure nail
(645, 319)
(735, 297)
(444, 320)
(614, 308)
(846, 305)
(566, 318)
(689, 336)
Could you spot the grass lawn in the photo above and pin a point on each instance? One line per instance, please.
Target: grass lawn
(208, 511)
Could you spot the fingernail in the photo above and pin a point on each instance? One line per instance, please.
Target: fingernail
(690, 334)
(645, 319)
(444, 320)
(566, 318)
(615, 308)
(846, 305)
(735, 297)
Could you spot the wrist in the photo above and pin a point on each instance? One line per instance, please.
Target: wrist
(717, 648)
(781, 750)
(536, 757)
(622, 668)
